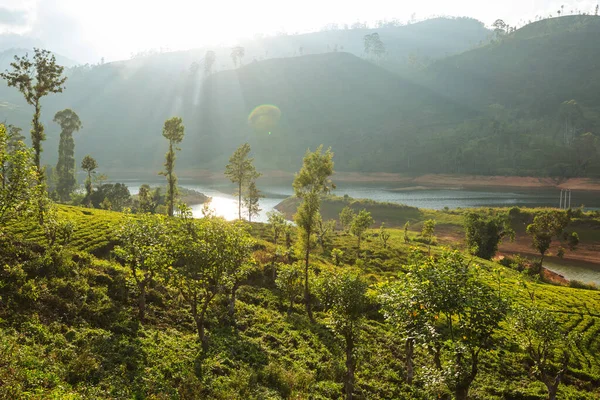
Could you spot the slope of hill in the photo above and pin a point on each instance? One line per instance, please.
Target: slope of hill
(532, 70)
(69, 328)
(364, 111)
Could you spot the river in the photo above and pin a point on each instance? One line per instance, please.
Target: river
(225, 204)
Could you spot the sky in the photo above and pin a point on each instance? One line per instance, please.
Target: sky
(87, 30)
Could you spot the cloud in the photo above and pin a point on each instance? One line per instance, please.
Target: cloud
(12, 17)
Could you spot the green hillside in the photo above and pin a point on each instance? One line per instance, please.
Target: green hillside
(69, 329)
(526, 104)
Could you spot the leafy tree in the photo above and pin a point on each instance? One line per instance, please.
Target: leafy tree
(406, 237)
(336, 256)
(500, 27)
(310, 183)
(289, 282)
(65, 168)
(89, 165)
(277, 222)
(538, 332)
(485, 232)
(252, 196)
(460, 314)
(239, 262)
(571, 114)
(546, 226)
(143, 248)
(427, 232)
(346, 217)
(374, 45)
(205, 254)
(145, 203)
(360, 223)
(111, 196)
(324, 231)
(344, 295)
(173, 131)
(18, 178)
(35, 79)
(384, 235)
(241, 170)
(209, 61)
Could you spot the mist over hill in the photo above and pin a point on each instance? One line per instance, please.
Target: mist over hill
(442, 99)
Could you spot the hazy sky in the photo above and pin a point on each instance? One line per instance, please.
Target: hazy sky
(86, 30)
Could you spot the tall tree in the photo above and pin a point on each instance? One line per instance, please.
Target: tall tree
(35, 79)
(89, 165)
(277, 223)
(173, 132)
(65, 168)
(241, 170)
(310, 183)
(427, 232)
(252, 196)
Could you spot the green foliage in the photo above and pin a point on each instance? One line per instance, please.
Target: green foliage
(485, 232)
(18, 179)
(428, 231)
(360, 223)
(346, 217)
(384, 236)
(539, 334)
(345, 296)
(65, 168)
(35, 79)
(545, 227)
(289, 282)
(277, 223)
(252, 196)
(310, 183)
(241, 170)
(89, 165)
(143, 249)
(173, 131)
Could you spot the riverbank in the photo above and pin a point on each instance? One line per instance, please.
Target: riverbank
(424, 182)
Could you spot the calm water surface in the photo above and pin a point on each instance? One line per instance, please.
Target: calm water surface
(225, 204)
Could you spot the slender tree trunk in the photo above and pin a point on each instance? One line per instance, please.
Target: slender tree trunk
(461, 393)
(240, 200)
(350, 368)
(410, 348)
(171, 193)
(306, 287)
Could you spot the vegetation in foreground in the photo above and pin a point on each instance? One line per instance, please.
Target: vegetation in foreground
(107, 304)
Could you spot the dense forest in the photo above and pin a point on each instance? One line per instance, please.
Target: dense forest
(445, 95)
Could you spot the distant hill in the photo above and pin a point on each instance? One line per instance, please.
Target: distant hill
(7, 56)
(534, 69)
(361, 110)
(526, 104)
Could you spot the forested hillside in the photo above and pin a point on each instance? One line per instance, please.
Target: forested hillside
(525, 104)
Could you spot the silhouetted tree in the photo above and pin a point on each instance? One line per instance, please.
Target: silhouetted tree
(241, 170)
(65, 168)
(173, 131)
